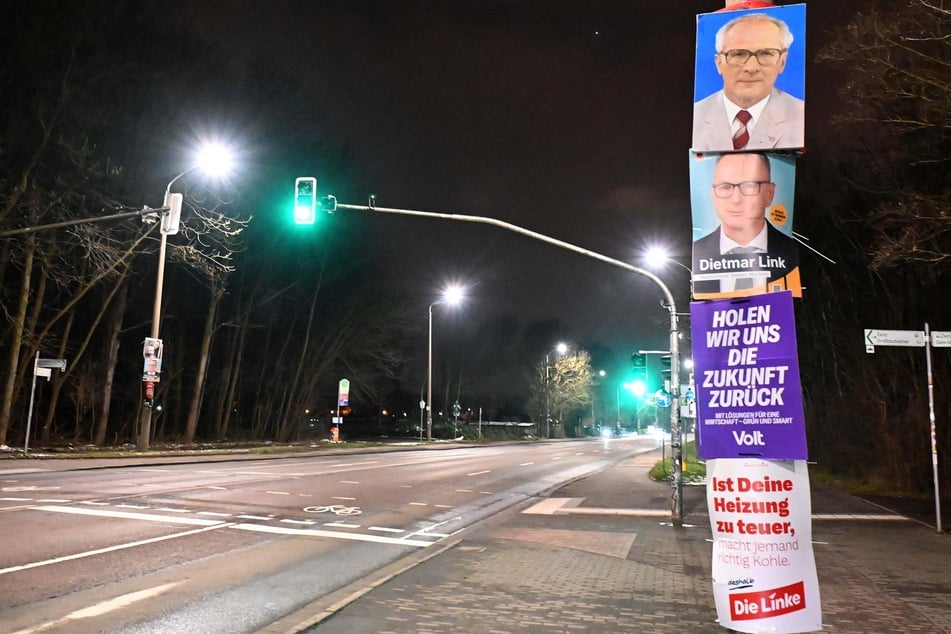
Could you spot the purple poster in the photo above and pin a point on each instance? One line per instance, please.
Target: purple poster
(746, 370)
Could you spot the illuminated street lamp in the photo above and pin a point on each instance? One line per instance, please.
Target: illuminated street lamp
(452, 295)
(657, 258)
(561, 349)
(215, 160)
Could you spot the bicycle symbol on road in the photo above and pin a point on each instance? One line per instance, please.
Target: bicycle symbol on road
(336, 509)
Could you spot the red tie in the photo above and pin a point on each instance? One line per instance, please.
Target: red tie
(742, 136)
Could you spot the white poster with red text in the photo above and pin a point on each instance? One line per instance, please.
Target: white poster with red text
(764, 569)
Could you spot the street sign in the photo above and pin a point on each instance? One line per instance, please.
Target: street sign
(58, 364)
(907, 338)
(941, 338)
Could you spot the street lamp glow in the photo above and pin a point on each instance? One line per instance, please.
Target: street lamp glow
(215, 159)
(453, 295)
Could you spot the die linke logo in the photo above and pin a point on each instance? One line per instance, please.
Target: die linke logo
(747, 606)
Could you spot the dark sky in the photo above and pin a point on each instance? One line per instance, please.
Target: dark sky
(569, 118)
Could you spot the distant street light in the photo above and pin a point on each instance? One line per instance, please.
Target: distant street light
(452, 295)
(561, 349)
(214, 160)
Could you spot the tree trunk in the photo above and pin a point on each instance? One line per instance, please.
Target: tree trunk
(16, 340)
(112, 359)
(191, 425)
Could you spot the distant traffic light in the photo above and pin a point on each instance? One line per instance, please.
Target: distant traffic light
(305, 200)
(665, 371)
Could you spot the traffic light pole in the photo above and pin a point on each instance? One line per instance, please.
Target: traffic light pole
(677, 508)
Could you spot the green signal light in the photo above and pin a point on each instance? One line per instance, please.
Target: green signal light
(305, 200)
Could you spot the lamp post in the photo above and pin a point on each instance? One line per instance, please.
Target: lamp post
(561, 349)
(213, 159)
(452, 296)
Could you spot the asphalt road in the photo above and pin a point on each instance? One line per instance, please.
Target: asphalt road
(232, 546)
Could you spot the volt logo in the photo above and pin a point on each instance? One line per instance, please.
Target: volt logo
(749, 439)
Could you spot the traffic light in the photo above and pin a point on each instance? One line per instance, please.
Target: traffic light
(665, 370)
(639, 380)
(305, 200)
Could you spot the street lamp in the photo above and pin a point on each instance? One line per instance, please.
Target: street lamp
(215, 160)
(452, 296)
(657, 257)
(561, 349)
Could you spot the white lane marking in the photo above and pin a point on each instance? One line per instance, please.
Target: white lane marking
(216, 488)
(28, 488)
(305, 495)
(418, 504)
(109, 549)
(127, 516)
(132, 506)
(385, 529)
(102, 608)
(311, 532)
(18, 472)
(475, 473)
(93, 503)
(302, 522)
(406, 486)
(486, 492)
(525, 464)
(342, 525)
(341, 497)
(171, 510)
(443, 506)
(278, 492)
(53, 501)
(557, 457)
(15, 499)
(463, 490)
(255, 517)
(349, 482)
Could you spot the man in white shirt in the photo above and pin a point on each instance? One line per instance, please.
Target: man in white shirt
(750, 113)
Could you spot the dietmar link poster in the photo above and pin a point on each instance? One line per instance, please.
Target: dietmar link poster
(764, 568)
(746, 368)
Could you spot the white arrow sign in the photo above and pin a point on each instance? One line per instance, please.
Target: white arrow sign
(910, 338)
(941, 338)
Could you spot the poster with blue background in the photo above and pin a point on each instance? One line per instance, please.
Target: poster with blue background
(746, 369)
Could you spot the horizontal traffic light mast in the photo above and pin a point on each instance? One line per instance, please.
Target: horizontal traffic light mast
(330, 204)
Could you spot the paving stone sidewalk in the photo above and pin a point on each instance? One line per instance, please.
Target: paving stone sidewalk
(609, 560)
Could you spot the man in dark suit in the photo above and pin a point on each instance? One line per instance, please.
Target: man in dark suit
(746, 254)
(750, 113)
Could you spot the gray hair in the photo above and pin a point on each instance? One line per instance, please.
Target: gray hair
(784, 31)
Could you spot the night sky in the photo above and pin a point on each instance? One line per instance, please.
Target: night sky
(568, 118)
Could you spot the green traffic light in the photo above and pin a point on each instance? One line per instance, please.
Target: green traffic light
(305, 200)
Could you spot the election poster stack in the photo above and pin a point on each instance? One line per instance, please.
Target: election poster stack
(748, 131)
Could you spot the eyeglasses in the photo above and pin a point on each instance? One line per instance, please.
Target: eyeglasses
(747, 188)
(765, 56)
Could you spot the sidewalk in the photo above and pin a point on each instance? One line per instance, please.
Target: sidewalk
(600, 555)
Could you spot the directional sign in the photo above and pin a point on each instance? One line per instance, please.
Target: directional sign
(908, 338)
(941, 338)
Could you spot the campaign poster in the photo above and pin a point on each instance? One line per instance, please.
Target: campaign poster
(742, 206)
(752, 61)
(746, 371)
(764, 569)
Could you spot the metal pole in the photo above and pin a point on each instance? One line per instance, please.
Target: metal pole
(547, 397)
(145, 422)
(29, 416)
(429, 379)
(934, 443)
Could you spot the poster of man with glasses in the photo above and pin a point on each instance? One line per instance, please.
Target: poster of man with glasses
(742, 206)
(750, 81)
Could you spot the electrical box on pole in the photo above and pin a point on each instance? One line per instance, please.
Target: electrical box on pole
(172, 219)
